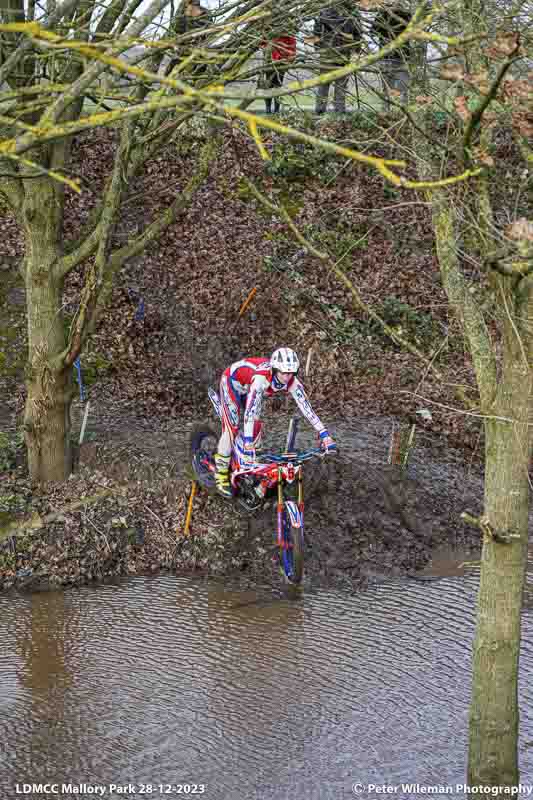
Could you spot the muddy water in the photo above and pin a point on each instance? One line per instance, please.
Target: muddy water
(252, 694)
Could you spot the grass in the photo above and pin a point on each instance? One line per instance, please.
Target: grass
(304, 101)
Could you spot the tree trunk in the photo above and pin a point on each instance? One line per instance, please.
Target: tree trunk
(48, 381)
(494, 715)
(47, 413)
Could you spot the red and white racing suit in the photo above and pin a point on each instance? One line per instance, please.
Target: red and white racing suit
(242, 387)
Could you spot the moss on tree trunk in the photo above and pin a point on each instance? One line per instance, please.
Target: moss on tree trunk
(505, 386)
(494, 713)
(48, 380)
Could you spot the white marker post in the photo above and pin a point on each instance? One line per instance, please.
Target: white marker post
(84, 423)
(308, 362)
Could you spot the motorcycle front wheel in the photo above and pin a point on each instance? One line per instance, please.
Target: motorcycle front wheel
(291, 550)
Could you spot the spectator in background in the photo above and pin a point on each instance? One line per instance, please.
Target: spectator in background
(278, 53)
(337, 35)
(194, 19)
(388, 23)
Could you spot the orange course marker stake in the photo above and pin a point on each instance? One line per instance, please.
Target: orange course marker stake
(189, 509)
(247, 301)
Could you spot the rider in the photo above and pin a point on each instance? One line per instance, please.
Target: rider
(242, 387)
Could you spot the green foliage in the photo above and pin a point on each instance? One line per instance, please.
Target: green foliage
(93, 367)
(12, 321)
(11, 360)
(8, 561)
(417, 326)
(390, 192)
(296, 161)
(337, 238)
(285, 196)
(9, 503)
(300, 118)
(11, 447)
(346, 327)
(366, 121)
(245, 195)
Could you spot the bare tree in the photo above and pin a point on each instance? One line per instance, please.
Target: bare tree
(53, 60)
(475, 81)
(495, 310)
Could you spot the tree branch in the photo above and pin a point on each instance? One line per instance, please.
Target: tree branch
(48, 22)
(478, 112)
(464, 305)
(95, 281)
(36, 521)
(489, 534)
(358, 300)
(84, 81)
(99, 280)
(12, 189)
(154, 230)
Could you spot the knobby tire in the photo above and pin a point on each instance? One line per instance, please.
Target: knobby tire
(293, 536)
(198, 435)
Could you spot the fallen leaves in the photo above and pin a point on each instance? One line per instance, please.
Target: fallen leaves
(461, 106)
(452, 72)
(503, 46)
(521, 230)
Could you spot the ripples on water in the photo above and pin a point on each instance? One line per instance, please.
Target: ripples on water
(169, 681)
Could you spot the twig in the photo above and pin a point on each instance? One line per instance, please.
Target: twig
(154, 515)
(477, 114)
(36, 521)
(357, 299)
(462, 411)
(487, 530)
(86, 518)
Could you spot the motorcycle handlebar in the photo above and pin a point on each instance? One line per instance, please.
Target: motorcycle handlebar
(297, 457)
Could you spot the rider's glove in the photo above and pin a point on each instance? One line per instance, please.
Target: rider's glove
(326, 442)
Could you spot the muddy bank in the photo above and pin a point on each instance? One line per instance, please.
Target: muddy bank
(175, 325)
(123, 513)
(174, 322)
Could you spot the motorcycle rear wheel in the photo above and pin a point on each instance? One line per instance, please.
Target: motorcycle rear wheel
(203, 443)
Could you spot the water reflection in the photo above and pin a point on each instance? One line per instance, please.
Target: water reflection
(169, 680)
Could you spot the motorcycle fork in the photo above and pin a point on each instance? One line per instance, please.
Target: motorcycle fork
(281, 541)
(301, 495)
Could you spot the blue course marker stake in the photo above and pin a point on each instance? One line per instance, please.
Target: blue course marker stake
(77, 366)
(139, 314)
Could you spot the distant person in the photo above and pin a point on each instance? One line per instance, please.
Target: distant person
(337, 35)
(194, 19)
(388, 23)
(278, 53)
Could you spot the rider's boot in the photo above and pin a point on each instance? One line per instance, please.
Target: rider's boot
(222, 481)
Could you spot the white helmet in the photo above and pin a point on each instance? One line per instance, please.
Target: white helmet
(285, 360)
